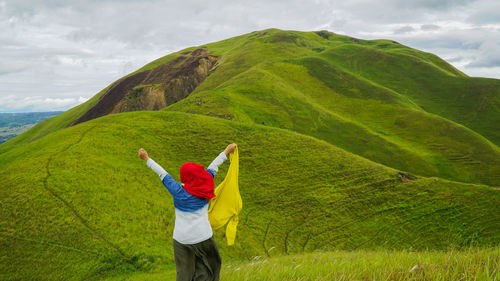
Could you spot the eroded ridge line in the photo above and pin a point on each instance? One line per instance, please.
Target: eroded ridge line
(73, 210)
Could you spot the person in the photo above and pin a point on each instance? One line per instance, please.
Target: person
(196, 254)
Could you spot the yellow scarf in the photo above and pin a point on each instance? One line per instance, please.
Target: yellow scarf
(227, 202)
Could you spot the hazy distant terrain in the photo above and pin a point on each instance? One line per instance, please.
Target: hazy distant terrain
(13, 124)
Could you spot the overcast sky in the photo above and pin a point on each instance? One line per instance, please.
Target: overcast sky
(56, 54)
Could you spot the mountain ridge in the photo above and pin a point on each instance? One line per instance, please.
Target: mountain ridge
(333, 156)
(336, 81)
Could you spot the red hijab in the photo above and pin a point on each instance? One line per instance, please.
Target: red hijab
(197, 181)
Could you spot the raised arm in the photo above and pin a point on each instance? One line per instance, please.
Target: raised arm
(213, 168)
(156, 168)
(172, 186)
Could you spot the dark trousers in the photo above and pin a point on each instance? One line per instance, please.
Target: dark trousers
(197, 262)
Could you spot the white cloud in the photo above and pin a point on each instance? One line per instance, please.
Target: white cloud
(12, 103)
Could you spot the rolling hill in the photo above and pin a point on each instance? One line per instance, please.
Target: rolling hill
(82, 205)
(394, 105)
(344, 144)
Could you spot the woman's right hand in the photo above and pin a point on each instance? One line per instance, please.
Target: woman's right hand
(143, 154)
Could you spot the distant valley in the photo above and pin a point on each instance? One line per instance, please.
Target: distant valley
(13, 124)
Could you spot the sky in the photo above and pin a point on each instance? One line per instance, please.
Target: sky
(56, 54)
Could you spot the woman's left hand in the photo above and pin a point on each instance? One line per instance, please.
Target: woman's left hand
(230, 148)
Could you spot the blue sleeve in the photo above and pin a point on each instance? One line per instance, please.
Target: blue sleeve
(172, 186)
(211, 172)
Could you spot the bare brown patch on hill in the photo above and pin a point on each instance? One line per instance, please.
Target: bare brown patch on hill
(156, 88)
(405, 177)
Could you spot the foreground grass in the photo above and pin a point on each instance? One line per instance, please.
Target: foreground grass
(471, 264)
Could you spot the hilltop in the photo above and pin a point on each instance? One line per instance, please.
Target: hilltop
(389, 103)
(344, 144)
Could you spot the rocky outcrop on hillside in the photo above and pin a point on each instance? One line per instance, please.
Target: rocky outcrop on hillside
(156, 88)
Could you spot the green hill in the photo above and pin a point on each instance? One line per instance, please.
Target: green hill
(344, 143)
(394, 105)
(79, 203)
(291, 80)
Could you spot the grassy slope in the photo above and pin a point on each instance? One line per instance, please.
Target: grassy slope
(474, 102)
(386, 102)
(293, 80)
(378, 99)
(78, 203)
